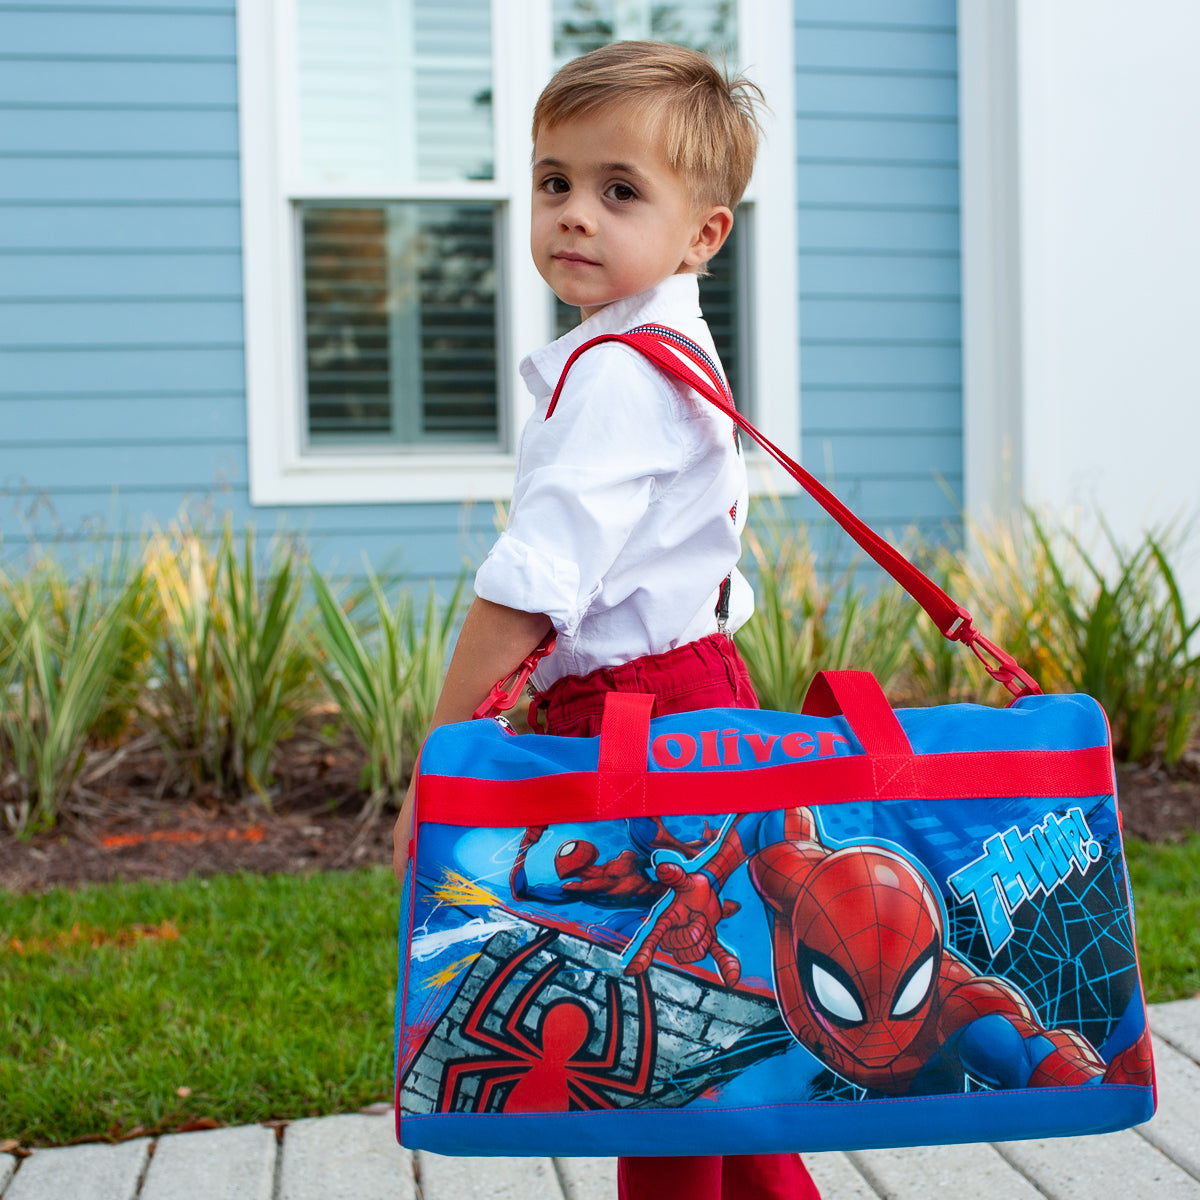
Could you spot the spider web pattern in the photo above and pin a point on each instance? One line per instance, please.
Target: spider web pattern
(1072, 952)
(829, 1085)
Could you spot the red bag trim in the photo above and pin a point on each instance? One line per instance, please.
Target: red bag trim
(577, 796)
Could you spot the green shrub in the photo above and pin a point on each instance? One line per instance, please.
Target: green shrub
(806, 622)
(383, 669)
(69, 667)
(1111, 624)
(229, 655)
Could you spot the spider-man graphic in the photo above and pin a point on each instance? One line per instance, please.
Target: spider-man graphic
(551, 1072)
(863, 975)
(626, 881)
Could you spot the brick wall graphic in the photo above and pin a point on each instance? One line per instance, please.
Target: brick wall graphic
(545, 1021)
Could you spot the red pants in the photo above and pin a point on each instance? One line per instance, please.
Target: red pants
(704, 674)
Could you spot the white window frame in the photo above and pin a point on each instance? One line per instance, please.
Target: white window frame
(281, 471)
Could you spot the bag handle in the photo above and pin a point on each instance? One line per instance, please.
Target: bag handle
(857, 696)
(681, 358)
(622, 769)
(624, 737)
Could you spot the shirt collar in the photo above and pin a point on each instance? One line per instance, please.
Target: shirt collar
(675, 297)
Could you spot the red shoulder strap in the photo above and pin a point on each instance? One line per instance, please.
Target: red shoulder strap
(681, 358)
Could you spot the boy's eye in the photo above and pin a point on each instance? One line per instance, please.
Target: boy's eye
(556, 185)
(621, 192)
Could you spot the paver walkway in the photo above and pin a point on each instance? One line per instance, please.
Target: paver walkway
(355, 1158)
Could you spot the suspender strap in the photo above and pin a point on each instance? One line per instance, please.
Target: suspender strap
(682, 359)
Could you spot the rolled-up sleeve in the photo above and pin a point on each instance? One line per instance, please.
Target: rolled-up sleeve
(586, 478)
(524, 577)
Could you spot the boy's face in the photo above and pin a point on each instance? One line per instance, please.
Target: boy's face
(611, 216)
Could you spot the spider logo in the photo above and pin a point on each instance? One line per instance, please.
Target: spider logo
(551, 1072)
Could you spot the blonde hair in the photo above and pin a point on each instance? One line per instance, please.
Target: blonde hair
(708, 120)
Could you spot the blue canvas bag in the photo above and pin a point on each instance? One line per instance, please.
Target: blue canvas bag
(740, 931)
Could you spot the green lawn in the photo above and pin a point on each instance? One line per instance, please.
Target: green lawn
(274, 1000)
(245, 998)
(1166, 901)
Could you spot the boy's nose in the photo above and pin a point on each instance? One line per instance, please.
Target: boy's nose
(576, 219)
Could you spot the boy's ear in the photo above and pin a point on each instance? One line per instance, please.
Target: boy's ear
(710, 237)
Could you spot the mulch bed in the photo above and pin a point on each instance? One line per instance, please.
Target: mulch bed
(121, 825)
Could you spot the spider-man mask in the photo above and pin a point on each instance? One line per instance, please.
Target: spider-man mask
(573, 858)
(857, 943)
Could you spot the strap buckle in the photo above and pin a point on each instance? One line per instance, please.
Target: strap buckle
(508, 690)
(1002, 667)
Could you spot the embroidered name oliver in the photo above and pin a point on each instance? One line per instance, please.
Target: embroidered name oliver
(732, 748)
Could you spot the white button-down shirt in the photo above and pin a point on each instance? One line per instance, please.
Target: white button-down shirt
(629, 501)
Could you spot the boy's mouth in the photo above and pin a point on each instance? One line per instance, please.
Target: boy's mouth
(568, 256)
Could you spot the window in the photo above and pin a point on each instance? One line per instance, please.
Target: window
(389, 292)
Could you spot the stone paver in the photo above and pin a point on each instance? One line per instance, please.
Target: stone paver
(918, 1172)
(1175, 1127)
(837, 1178)
(1111, 1164)
(220, 1164)
(351, 1157)
(487, 1178)
(1178, 1022)
(587, 1178)
(95, 1172)
(8, 1164)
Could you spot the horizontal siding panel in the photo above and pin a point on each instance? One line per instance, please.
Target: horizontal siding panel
(99, 179)
(897, 185)
(896, 502)
(878, 229)
(416, 543)
(887, 320)
(838, 555)
(928, 14)
(867, 93)
(895, 455)
(826, 47)
(116, 33)
(469, 528)
(115, 372)
(861, 364)
(121, 227)
(167, 6)
(103, 131)
(877, 274)
(876, 140)
(28, 82)
(829, 412)
(194, 467)
(405, 561)
(415, 556)
(878, 221)
(123, 275)
(90, 421)
(121, 323)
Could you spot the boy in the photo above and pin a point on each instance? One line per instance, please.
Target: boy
(625, 523)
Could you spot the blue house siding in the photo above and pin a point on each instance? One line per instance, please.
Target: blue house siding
(122, 374)
(880, 320)
(121, 347)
